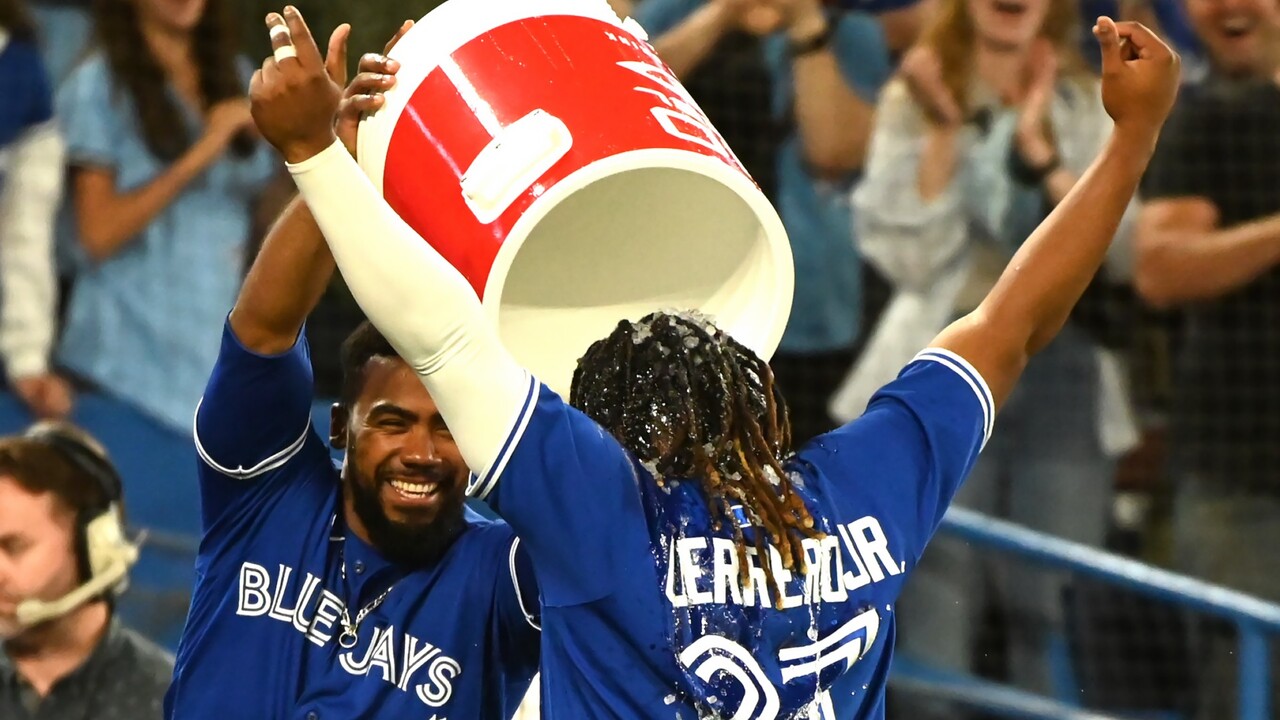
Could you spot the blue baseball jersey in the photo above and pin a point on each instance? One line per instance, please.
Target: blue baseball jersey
(648, 610)
(457, 640)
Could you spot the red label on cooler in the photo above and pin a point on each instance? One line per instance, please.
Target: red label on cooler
(609, 90)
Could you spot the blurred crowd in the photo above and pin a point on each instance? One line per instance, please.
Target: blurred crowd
(910, 147)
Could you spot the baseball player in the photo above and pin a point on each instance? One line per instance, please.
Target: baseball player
(691, 564)
(368, 591)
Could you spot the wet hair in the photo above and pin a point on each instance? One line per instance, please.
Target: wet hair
(364, 343)
(136, 71)
(692, 403)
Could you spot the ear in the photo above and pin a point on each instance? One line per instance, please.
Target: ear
(339, 416)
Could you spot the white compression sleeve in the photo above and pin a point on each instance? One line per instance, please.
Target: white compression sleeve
(425, 308)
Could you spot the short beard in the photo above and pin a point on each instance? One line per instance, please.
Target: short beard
(402, 543)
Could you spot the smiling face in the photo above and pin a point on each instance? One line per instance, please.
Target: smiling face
(1007, 25)
(404, 480)
(1241, 35)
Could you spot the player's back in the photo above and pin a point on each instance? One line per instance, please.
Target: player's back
(649, 611)
(713, 640)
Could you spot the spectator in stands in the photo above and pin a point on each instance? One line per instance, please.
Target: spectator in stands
(59, 503)
(1208, 243)
(31, 155)
(164, 169)
(990, 124)
(792, 88)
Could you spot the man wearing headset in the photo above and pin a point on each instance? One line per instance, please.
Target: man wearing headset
(63, 559)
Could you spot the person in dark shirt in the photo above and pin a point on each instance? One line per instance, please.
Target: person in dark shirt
(63, 559)
(1209, 244)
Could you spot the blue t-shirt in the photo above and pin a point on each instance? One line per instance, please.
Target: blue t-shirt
(457, 640)
(644, 609)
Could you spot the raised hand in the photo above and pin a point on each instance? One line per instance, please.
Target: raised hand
(921, 69)
(226, 119)
(294, 99)
(1140, 75)
(375, 75)
(1033, 134)
(47, 396)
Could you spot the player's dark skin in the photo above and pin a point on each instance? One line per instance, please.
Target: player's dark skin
(391, 431)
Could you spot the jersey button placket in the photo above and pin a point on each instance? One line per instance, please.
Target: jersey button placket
(359, 567)
(313, 715)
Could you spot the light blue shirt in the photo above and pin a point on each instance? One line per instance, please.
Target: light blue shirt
(827, 308)
(146, 323)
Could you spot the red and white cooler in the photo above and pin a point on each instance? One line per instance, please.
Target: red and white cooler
(546, 152)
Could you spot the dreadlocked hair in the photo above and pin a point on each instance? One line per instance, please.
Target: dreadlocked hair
(692, 403)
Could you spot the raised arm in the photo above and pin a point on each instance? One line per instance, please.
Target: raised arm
(110, 216)
(294, 266)
(424, 307)
(254, 416)
(1046, 277)
(684, 43)
(910, 219)
(834, 118)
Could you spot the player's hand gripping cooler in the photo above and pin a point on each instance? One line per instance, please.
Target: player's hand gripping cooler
(547, 153)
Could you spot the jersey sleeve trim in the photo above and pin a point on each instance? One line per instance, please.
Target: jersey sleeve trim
(515, 586)
(272, 462)
(485, 483)
(972, 377)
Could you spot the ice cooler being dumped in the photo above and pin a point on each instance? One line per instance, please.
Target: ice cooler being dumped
(546, 152)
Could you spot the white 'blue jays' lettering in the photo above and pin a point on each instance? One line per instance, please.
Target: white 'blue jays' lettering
(397, 657)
